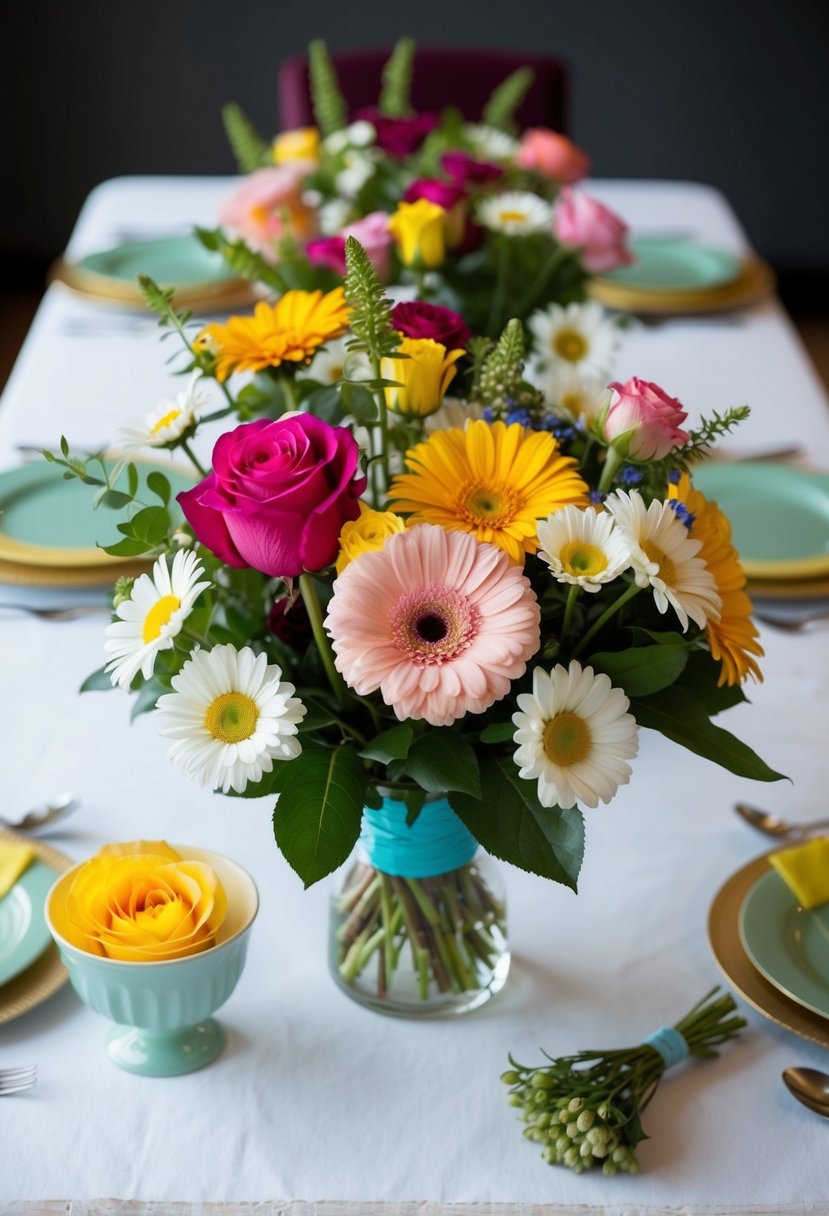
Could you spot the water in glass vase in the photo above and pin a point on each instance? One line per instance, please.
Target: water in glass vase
(418, 924)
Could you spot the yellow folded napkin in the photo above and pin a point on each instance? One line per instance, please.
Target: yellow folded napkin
(804, 868)
(14, 857)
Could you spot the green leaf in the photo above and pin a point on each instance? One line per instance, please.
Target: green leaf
(700, 679)
(506, 98)
(442, 761)
(98, 681)
(389, 745)
(128, 547)
(397, 80)
(642, 670)
(248, 146)
(317, 818)
(414, 800)
(497, 732)
(146, 697)
(373, 798)
(132, 479)
(510, 823)
(325, 403)
(159, 485)
(150, 525)
(64, 445)
(358, 401)
(680, 717)
(326, 99)
(114, 499)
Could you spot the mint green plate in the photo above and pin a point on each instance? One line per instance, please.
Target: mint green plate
(180, 261)
(671, 264)
(46, 521)
(24, 933)
(788, 945)
(779, 515)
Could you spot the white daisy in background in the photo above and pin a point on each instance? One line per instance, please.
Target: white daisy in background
(515, 213)
(489, 143)
(333, 216)
(333, 361)
(453, 413)
(358, 134)
(580, 396)
(664, 557)
(574, 735)
(580, 335)
(358, 166)
(582, 547)
(231, 717)
(153, 615)
(166, 423)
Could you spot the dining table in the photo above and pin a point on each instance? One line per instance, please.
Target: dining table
(318, 1106)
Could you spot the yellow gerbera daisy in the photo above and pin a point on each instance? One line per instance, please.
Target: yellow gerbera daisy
(289, 331)
(494, 481)
(732, 638)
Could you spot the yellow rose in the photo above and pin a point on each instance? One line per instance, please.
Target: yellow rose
(419, 231)
(423, 377)
(370, 531)
(142, 902)
(302, 144)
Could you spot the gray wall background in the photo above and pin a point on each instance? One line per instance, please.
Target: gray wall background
(734, 93)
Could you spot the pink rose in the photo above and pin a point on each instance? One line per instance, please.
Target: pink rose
(256, 210)
(419, 319)
(372, 231)
(599, 234)
(278, 495)
(552, 155)
(463, 168)
(642, 421)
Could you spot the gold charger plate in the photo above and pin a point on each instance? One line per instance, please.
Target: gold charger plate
(724, 937)
(47, 973)
(20, 574)
(782, 589)
(217, 297)
(755, 281)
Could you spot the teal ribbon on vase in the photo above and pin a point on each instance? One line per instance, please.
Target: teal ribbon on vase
(435, 843)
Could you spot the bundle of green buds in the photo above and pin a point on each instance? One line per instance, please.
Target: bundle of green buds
(585, 1109)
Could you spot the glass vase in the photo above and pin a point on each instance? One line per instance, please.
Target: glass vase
(418, 926)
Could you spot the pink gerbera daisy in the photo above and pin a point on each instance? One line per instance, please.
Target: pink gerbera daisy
(438, 621)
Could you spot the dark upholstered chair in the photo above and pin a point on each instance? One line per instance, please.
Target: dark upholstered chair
(442, 76)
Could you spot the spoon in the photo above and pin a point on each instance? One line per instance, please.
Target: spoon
(39, 816)
(809, 1086)
(772, 825)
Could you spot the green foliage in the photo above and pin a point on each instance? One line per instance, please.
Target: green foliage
(390, 744)
(317, 818)
(511, 823)
(699, 445)
(249, 148)
(441, 761)
(395, 95)
(643, 670)
(97, 681)
(371, 308)
(499, 111)
(501, 374)
(243, 260)
(326, 99)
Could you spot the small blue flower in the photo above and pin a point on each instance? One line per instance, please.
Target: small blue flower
(630, 476)
(489, 415)
(682, 513)
(519, 414)
(674, 476)
(597, 496)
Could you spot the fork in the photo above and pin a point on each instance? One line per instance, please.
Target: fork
(14, 1080)
(67, 613)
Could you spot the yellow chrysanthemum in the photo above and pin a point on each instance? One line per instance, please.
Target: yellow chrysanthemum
(289, 331)
(367, 533)
(494, 481)
(732, 638)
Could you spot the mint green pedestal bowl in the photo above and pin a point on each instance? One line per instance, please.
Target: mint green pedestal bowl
(161, 1011)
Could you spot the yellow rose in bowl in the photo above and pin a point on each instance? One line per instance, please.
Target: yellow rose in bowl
(142, 902)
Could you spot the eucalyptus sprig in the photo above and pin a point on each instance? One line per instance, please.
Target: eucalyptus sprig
(585, 1109)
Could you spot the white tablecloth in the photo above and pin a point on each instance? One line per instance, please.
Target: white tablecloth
(315, 1098)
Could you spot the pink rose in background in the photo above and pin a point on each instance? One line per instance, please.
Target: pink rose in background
(594, 229)
(463, 168)
(552, 155)
(642, 421)
(399, 136)
(256, 210)
(328, 252)
(278, 495)
(372, 231)
(419, 319)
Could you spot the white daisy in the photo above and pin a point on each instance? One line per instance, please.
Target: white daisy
(358, 134)
(358, 167)
(582, 547)
(166, 423)
(453, 413)
(577, 395)
(333, 361)
(148, 621)
(515, 213)
(490, 143)
(664, 557)
(230, 717)
(580, 335)
(333, 215)
(574, 735)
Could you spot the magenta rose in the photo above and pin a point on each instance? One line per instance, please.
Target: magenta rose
(418, 319)
(464, 169)
(328, 252)
(445, 194)
(596, 231)
(399, 137)
(278, 495)
(642, 421)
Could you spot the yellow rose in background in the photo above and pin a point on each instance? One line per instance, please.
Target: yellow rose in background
(142, 902)
(423, 377)
(302, 144)
(419, 231)
(369, 532)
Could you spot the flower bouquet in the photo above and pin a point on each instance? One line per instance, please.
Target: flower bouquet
(421, 623)
(466, 214)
